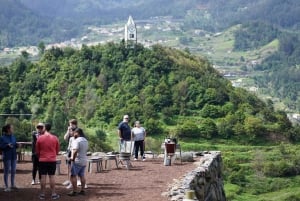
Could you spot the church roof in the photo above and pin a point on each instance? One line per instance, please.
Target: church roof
(130, 20)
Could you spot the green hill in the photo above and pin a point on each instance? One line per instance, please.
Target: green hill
(22, 26)
(170, 91)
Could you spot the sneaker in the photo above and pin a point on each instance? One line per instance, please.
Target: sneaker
(7, 189)
(72, 193)
(78, 183)
(69, 186)
(144, 159)
(38, 182)
(85, 186)
(67, 182)
(33, 182)
(81, 192)
(42, 196)
(55, 196)
(135, 159)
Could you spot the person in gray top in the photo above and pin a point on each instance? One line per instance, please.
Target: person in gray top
(79, 161)
(138, 134)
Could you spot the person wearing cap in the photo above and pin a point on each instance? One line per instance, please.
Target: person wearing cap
(138, 135)
(34, 158)
(124, 132)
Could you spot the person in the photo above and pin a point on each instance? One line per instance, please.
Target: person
(79, 161)
(124, 132)
(47, 148)
(69, 138)
(9, 145)
(138, 135)
(73, 125)
(35, 160)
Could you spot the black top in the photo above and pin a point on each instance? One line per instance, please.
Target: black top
(125, 131)
(35, 136)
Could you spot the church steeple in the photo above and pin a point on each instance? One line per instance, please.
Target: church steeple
(130, 32)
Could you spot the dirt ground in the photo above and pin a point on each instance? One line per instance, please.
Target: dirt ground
(146, 181)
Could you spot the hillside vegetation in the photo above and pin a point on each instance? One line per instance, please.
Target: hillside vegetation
(278, 71)
(170, 91)
(20, 26)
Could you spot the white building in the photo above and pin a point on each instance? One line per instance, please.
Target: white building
(130, 33)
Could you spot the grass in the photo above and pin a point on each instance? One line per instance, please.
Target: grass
(248, 162)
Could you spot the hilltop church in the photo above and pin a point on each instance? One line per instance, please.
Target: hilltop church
(130, 33)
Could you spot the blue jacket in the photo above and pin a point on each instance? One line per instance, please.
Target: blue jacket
(8, 153)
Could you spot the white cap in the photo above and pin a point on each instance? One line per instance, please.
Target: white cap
(40, 125)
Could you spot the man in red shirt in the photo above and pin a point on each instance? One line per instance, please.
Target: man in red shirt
(47, 148)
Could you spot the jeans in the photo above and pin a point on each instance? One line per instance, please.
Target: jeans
(9, 167)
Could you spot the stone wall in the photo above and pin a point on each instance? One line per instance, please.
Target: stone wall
(205, 182)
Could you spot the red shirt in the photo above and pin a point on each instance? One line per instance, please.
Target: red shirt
(47, 147)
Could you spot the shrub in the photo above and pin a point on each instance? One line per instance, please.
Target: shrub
(208, 128)
(153, 127)
(188, 130)
(238, 178)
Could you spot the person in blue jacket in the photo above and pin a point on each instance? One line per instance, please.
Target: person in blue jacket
(8, 145)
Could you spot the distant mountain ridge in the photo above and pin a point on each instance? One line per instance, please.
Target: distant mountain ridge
(27, 22)
(21, 26)
(225, 13)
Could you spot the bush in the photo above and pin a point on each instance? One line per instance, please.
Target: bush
(96, 145)
(188, 130)
(97, 142)
(208, 128)
(293, 198)
(101, 135)
(238, 178)
(153, 127)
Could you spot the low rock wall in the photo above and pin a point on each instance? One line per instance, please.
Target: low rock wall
(205, 182)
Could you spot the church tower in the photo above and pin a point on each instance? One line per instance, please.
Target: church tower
(130, 33)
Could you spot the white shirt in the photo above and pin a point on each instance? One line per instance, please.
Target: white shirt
(81, 145)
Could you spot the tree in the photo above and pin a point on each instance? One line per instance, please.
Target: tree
(41, 47)
(208, 128)
(254, 127)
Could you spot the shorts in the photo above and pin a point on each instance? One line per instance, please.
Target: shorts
(47, 168)
(77, 170)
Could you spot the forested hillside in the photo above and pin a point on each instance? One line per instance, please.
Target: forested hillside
(282, 72)
(20, 26)
(169, 91)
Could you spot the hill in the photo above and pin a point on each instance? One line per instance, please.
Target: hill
(21, 26)
(170, 91)
(28, 22)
